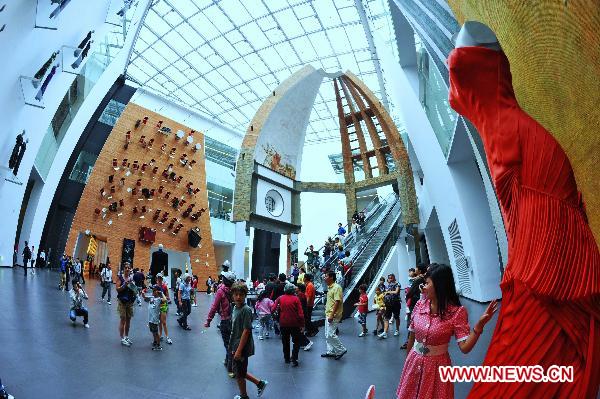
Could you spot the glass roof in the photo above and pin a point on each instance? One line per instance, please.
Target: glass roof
(223, 58)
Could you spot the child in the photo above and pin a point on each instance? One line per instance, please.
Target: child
(194, 290)
(263, 310)
(241, 344)
(362, 307)
(164, 309)
(380, 306)
(412, 276)
(158, 298)
(77, 309)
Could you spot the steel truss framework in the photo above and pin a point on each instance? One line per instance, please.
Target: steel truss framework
(223, 58)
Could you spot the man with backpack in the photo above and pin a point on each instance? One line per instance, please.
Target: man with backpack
(223, 305)
(26, 256)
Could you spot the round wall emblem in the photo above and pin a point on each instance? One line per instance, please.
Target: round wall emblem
(274, 203)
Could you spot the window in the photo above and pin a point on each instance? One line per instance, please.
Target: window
(112, 112)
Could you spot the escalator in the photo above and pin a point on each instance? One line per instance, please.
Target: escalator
(368, 252)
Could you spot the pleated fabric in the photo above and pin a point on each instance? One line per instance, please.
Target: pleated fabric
(550, 313)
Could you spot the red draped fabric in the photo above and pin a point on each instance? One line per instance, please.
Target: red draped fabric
(550, 313)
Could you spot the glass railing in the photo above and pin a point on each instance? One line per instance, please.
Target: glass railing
(107, 49)
(434, 99)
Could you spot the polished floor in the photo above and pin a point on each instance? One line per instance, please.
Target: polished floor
(43, 355)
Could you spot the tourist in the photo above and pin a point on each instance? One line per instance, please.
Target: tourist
(164, 309)
(435, 320)
(362, 306)
(42, 258)
(382, 285)
(333, 314)
(139, 279)
(226, 265)
(276, 293)
(241, 344)
(260, 287)
(346, 268)
(316, 260)
(341, 254)
(305, 343)
(295, 273)
(412, 275)
(184, 297)
(291, 320)
(413, 295)
(263, 310)
(32, 260)
(78, 275)
(194, 290)
(126, 295)
(310, 254)
(341, 232)
(222, 305)
(280, 286)
(380, 307)
(310, 293)
(301, 275)
(327, 250)
(361, 221)
(392, 306)
(355, 226)
(209, 284)
(154, 305)
(64, 270)
(77, 295)
(176, 291)
(68, 272)
(81, 270)
(271, 285)
(106, 282)
(26, 257)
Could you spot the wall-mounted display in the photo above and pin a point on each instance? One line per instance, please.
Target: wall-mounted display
(17, 153)
(150, 207)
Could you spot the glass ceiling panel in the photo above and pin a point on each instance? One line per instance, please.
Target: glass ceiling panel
(223, 58)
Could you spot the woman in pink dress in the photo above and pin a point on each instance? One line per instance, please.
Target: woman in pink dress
(436, 318)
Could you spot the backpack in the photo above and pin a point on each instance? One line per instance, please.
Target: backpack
(391, 299)
(128, 295)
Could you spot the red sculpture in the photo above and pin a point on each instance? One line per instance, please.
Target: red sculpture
(550, 312)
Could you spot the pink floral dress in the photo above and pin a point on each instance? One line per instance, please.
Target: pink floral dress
(420, 378)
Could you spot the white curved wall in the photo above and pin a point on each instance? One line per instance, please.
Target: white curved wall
(455, 190)
(30, 48)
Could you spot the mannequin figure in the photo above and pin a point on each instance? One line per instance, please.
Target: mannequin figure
(15, 152)
(159, 263)
(546, 317)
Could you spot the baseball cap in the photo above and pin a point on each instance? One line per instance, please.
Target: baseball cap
(228, 275)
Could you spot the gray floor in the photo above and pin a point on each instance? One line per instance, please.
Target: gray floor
(43, 355)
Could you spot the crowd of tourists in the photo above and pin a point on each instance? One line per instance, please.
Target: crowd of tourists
(282, 306)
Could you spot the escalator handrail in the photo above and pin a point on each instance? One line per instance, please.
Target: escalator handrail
(354, 258)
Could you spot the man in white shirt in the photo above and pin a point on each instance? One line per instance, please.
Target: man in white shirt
(106, 282)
